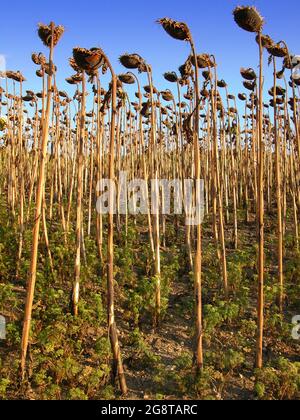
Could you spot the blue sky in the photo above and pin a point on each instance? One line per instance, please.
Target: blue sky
(120, 26)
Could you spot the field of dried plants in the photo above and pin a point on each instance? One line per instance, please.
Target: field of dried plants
(127, 305)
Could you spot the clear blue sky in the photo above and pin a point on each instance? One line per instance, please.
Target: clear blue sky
(120, 26)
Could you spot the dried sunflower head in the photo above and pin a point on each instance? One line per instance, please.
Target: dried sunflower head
(242, 96)
(266, 41)
(278, 50)
(205, 93)
(40, 73)
(280, 91)
(45, 33)
(203, 61)
(189, 94)
(74, 66)
(248, 18)
(280, 73)
(206, 74)
(127, 78)
(27, 98)
(171, 77)
(15, 75)
(73, 80)
(35, 59)
(30, 96)
(167, 95)
(145, 109)
(250, 85)
(186, 70)
(148, 89)
(248, 74)
(222, 84)
(63, 94)
(88, 60)
(279, 101)
(30, 93)
(133, 61)
(50, 70)
(138, 96)
(177, 30)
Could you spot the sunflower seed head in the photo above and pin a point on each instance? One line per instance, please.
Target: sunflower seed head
(248, 18)
(177, 30)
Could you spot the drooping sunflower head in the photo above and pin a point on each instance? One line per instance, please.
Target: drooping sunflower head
(40, 73)
(45, 33)
(278, 50)
(203, 61)
(133, 61)
(167, 95)
(126, 78)
(75, 79)
(242, 97)
(88, 60)
(171, 77)
(15, 75)
(266, 41)
(222, 84)
(186, 69)
(248, 74)
(35, 58)
(177, 30)
(73, 64)
(147, 89)
(248, 18)
(250, 85)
